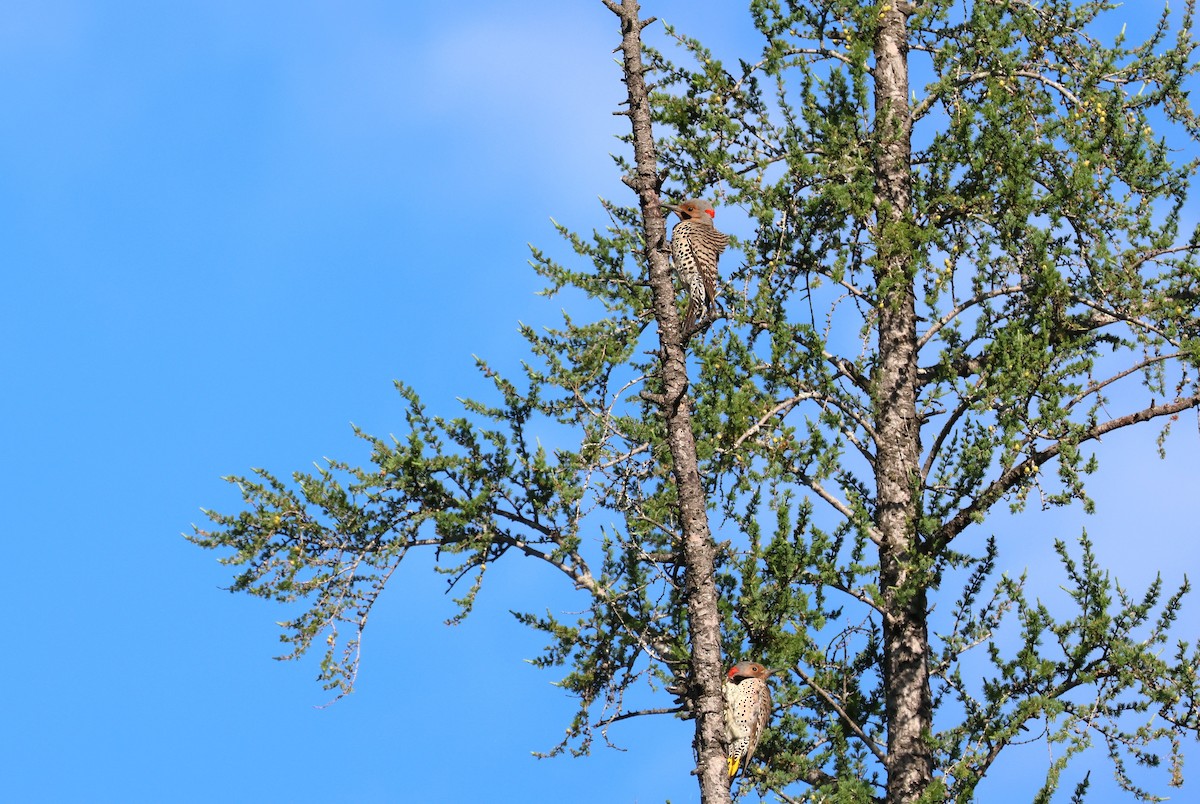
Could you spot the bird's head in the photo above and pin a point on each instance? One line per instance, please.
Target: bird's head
(749, 670)
(692, 209)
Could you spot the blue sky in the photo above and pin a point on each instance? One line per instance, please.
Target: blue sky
(227, 227)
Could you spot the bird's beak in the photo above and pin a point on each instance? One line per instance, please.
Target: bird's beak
(671, 207)
(772, 671)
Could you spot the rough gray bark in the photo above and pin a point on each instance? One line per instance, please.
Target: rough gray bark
(698, 551)
(897, 471)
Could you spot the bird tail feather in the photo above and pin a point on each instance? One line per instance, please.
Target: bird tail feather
(692, 316)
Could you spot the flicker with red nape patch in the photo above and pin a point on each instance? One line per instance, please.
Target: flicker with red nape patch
(747, 712)
(696, 245)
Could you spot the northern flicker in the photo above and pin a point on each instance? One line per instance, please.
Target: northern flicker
(747, 711)
(695, 247)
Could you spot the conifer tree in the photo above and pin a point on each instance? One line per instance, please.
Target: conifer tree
(969, 261)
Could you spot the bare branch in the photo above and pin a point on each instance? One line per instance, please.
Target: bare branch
(853, 725)
(922, 108)
(783, 406)
(985, 499)
(1096, 387)
(962, 307)
(662, 710)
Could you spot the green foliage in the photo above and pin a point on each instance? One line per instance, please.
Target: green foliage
(1056, 291)
(1098, 674)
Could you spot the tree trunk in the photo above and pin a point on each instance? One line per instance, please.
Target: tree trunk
(698, 551)
(897, 469)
